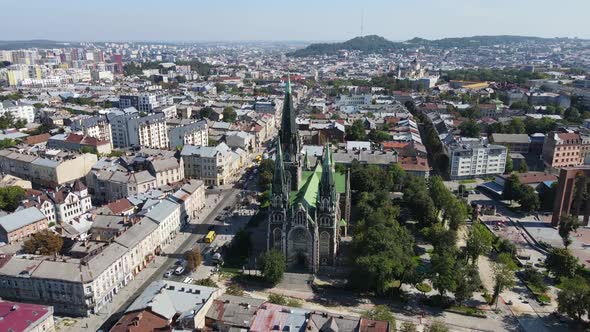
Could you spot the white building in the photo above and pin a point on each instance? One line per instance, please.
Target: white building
(215, 165)
(18, 110)
(471, 159)
(188, 132)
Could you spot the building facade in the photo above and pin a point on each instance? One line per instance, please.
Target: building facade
(476, 159)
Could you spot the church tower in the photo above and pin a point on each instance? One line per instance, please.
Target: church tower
(328, 212)
(289, 137)
(279, 204)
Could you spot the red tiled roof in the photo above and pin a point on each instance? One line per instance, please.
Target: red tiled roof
(395, 145)
(369, 325)
(140, 321)
(414, 164)
(568, 136)
(20, 316)
(36, 139)
(120, 206)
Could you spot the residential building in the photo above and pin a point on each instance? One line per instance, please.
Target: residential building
(110, 185)
(26, 317)
(93, 126)
(562, 150)
(18, 110)
(232, 313)
(516, 143)
(20, 224)
(80, 286)
(166, 170)
(13, 181)
(215, 165)
(129, 129)
(153, 132)
(188, 132)
(240, 139)
(183, 306)
(63, 205)
(469, 159)
(48, 168)
(191, 198)
(76, 142)
(142, 102)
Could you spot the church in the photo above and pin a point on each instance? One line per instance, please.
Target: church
(310, 204)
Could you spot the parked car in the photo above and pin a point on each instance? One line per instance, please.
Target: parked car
(179, 270)
(168, 274)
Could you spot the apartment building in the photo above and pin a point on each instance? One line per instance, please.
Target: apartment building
(188, 132)
(565, 149)
(191, 198)
(469, 159)
(77, 142)
(21, 224)
(18, 110)
(166, 170)
(49, 168)
(142, 102)
(80, 286)
(215, 165)
(108, 185)
(152, 131)
(93, 126)
(63, 205)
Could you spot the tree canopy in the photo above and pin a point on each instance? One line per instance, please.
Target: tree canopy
(44, 242)
(272, 265)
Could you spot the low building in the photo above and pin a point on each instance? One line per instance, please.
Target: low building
(13, 181)
(183, 306)
(191, 198)
(76, 142)
(108, 186)
(48, 168)
(26, 317)
(232, 313)
(516, 143)
(215, 165)
(241, 139)
(21, 224)
(166, 170)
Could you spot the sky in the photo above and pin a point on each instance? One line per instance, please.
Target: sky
(302, 20)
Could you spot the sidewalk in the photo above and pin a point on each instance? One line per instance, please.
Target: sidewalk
(94, 321)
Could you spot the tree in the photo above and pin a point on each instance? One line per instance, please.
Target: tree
(512, 188)
(468, 281)
(10, 198)
(567, 224)
(265, 173)
(479, 242)
(523, 167)
(503, 270)
(528, 200)
(6, 143)
(44, 242)
(206, 112)
(193, 258)
(470, 128)
(574, 297)
(456, 213)
(408, 327)
(437, 326)
(229, 114)
(572, 114)
(509, 165)
(443, 271)
(441, 196)
(561, 263)
(272, 265)
(356, 132)
(381, 313)
(396, 175)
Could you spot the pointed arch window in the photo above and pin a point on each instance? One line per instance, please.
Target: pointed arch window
(300, 218)
(277, 237)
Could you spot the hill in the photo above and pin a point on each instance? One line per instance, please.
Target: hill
(37, 43)
(378, 44)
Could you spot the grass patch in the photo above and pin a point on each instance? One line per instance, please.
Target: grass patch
(231, 270)
(467, 311)
(424, 288)
(467, 181)
(539, 293)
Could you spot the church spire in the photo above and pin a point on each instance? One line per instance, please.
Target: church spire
(327, 180)
(278, 178)
(288, 132)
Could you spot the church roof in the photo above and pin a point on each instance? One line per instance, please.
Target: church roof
(308, 193)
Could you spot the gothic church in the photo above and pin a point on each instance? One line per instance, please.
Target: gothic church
(310, 205)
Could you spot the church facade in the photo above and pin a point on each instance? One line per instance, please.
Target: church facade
(310, 205)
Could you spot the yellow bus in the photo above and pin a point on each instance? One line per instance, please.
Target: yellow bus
(210, 237)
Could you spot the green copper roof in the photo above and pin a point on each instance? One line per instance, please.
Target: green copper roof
(342, 222)
(308, 193)
(339, 179)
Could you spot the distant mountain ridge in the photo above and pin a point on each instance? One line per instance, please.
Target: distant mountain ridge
(378, 44)
(35, 43)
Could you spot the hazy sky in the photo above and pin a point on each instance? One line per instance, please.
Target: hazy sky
(212, 20)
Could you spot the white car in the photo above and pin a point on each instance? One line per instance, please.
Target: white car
(179, 270)
(168, 274)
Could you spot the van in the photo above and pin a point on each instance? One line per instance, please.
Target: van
(179, 270)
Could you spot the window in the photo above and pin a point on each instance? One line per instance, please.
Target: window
(300, 218)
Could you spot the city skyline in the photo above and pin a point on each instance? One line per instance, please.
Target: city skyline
(308, 21)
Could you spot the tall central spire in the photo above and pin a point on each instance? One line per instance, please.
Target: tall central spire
(327, 179)
(278, 178)
(288, 132)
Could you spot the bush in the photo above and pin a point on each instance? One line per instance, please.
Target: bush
(424, 288)
(205, 282)
(235, 290)
(272, 265)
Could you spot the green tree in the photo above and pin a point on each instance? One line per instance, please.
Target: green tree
(265, 173)
(356, 132)
(44, 242)
(229, 114)
(509, 165)
(574, 297)
(523, 167)
(503, 270)
(10, 198)
(193, 258)
(381, 313)
(572, 114)
(6, 143)
(512, 188)
(567, 224)
(437, 326)
(272, 265)
(206, 112)
(441, 196)
(408, 327)
(443, 271)
(456, 213)
(528, 200)
(479, 242)
(561, 263)
(468, 281)
(470, 128)
(396, 176)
